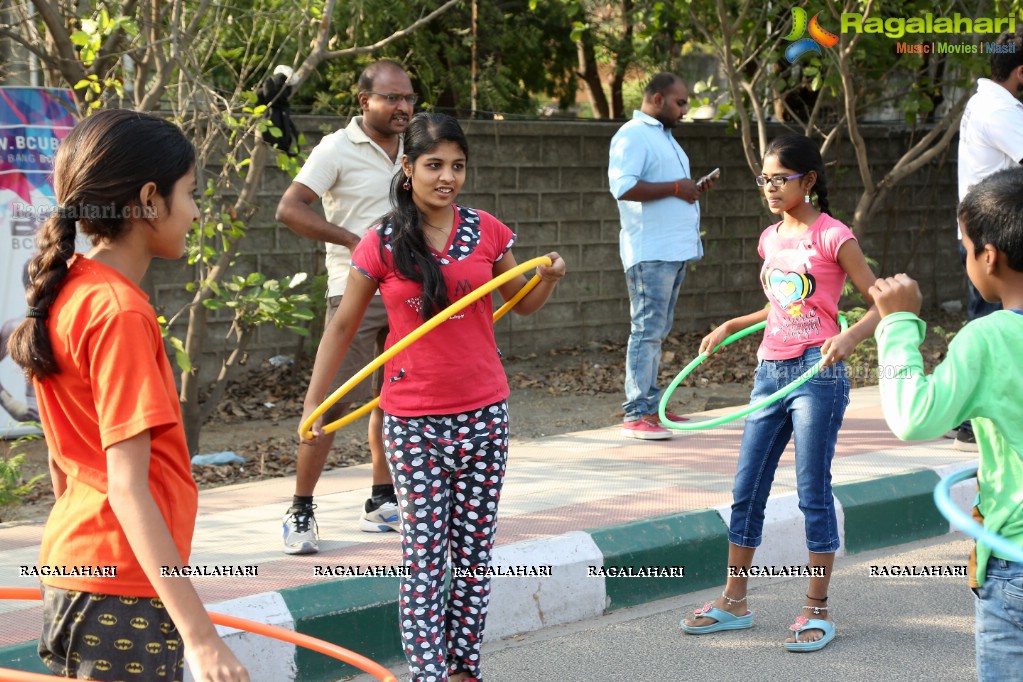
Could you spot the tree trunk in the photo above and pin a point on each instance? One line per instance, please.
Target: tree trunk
(589, 75)
(622, 62)
(228, 369)
(195, 336)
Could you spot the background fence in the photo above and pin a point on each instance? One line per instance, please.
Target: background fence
(548, 182)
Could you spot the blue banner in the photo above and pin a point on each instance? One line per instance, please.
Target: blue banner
(33, 121)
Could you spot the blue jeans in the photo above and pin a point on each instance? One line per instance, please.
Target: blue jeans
(999, 611)
(653, 292)
(813, 413)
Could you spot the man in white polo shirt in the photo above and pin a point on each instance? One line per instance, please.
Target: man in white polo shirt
(351, 170)
(990, 140)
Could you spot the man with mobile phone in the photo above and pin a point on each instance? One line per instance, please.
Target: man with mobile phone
(649, 176)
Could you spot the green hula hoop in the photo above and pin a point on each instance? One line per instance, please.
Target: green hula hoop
(748, 409)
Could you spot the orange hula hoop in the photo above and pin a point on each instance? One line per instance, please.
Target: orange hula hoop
(297, 638)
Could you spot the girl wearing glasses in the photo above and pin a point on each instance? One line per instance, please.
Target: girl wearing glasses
(807, 256)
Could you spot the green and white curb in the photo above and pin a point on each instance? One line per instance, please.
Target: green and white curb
(270, 659)
(585, 577)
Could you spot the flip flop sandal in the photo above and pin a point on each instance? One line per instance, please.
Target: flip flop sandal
(725, 621)
(815, 624)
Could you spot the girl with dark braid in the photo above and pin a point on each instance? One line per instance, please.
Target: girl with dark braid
(126, 502)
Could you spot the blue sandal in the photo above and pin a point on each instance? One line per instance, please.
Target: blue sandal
(725, 620)
(813, 624)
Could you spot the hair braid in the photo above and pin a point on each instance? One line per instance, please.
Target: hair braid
(29, 345)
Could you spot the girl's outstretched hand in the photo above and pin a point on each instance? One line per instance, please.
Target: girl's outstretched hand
(713, 340)
(837, 348)
(554, 271)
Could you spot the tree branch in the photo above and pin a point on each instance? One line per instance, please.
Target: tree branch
(321, 54)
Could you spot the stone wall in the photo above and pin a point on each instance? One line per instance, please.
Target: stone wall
(548, 182)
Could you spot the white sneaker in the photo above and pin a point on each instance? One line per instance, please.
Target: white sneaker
(301, 535)
(381, 519)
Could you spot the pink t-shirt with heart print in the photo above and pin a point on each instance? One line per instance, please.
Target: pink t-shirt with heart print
(803, 282)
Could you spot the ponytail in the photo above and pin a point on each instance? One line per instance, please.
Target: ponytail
(103, 163)
(29, 345)
(410, 252)
(820, 188)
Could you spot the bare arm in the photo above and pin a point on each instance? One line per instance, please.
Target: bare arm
(336, 339)
(150, 539)
(296, 212)
(851, 258)
(535, 299)
(712, 340)
(684, 188)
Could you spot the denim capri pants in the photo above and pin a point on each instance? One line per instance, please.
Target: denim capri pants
(812, 414)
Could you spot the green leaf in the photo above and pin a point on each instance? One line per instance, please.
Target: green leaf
(80, 38)
(183, 361)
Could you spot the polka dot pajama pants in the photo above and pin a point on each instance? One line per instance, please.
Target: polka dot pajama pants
(447, 472)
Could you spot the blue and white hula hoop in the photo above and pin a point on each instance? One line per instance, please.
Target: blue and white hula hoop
(958, 518)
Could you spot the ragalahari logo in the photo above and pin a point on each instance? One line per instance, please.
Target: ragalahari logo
(819, 36)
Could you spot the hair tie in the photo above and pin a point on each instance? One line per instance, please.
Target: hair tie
(37, 313)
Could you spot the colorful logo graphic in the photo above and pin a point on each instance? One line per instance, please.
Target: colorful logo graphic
(819, 36)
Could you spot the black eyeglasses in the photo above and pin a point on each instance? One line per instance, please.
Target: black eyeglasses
(393, 98)
(777, 180)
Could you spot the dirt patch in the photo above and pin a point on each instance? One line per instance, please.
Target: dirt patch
(560, 391)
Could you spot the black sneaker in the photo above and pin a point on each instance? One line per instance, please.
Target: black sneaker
(301, 535)
(965, 441)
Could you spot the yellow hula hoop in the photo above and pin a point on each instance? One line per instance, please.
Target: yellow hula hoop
(414, 336)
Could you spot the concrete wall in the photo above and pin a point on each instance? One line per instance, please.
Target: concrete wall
(548, 181)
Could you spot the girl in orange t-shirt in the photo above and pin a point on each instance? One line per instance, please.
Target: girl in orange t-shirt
(126, 502)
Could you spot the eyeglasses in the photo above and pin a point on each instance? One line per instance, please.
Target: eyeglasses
(777, 180)
(393, 98)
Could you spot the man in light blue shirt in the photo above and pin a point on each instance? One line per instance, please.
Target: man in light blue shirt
(649, 175)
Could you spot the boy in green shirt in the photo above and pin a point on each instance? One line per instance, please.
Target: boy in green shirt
(981, 379)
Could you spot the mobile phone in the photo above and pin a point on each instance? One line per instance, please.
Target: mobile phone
(713, 175)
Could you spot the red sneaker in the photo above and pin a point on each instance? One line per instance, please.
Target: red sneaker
(672, 417)
(644, 430)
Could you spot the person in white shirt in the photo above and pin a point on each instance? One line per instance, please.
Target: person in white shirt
(351, 171)
(990, 140)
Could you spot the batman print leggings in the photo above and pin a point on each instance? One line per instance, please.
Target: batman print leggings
(447, 473)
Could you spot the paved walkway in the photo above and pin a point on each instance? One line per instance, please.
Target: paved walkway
(572, 482)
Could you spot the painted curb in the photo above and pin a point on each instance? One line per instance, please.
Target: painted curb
(696, 540)
(524, 604)
(264, 657)
(361, 613)
(890, 510)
